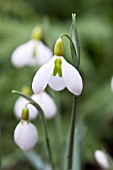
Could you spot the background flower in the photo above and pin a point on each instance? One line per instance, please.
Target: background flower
(45, 102)
(32, 53)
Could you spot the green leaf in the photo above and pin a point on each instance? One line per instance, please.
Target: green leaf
(78, 145)
(37, 161)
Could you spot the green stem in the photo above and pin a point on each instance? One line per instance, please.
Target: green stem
(72, 131)
(0, 148)
(44, 124)
(74, 60)
(75, 51)
(76, 48)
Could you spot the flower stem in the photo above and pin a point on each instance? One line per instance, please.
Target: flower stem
(72, 44)
(72, 131)
(0, 148)
(44, 124)
(75, 51)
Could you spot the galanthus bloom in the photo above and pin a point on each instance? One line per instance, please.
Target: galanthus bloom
(102, 159)
(45, 102)
(20, 104)
(32, 53)
(25, 134)
(58, 74)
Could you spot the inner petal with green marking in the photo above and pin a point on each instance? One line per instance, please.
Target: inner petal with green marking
(57, 68)
(34, 51)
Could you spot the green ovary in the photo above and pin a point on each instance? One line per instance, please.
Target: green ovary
(57, 68)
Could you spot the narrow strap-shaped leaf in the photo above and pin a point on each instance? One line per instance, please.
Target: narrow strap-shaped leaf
(37, 161)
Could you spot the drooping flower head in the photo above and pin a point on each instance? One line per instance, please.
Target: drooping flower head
(44, 100)
(25, 133)
(102, 160)
(58, 74)
(32, 53)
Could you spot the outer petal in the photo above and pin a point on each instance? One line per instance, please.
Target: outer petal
(20, 104)
(47, 104)
(42, 76)
(44, 54)
(72, 78)
(56, 83)
(25, 135)
(22, 55)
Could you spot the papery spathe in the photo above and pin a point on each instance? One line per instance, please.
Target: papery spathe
(67, 76)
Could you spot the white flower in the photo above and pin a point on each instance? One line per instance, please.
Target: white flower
(45, 102)
(25, 135)
(20, 104)
(58, 73)
(112, 84)
(102, 159)
(32, 53)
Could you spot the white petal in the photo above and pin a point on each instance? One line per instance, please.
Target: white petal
(112, 84)
(72, 78)
(44, 54)
(22, 55)
(33, 112)
(20, 104)
(42, 76)
(102, 159)
(25, 135)
(47, 104)
(56, 83)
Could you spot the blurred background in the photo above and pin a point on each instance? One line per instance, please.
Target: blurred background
(95, 105)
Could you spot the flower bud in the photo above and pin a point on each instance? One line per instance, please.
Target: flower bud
(25, 135)
(58, 49)
(36, 33)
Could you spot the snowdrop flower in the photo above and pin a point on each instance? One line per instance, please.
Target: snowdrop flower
(25, 133)
(20, 104)
(32, 53)
(112, 84)
(102, 159)
(58, 74)
(45, 102)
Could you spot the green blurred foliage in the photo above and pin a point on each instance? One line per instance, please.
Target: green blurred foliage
(95, 105)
